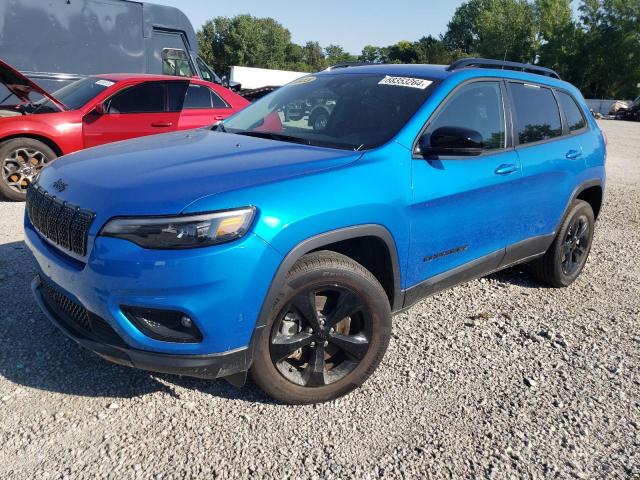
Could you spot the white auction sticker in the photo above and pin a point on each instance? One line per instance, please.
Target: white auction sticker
(104, 83)
(420, 83)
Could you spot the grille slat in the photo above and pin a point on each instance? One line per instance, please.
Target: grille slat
(65, 225)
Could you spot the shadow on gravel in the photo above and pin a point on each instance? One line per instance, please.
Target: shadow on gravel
(518, 276)
(33, 353)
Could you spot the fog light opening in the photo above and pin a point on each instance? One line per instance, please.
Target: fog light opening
(163, 325)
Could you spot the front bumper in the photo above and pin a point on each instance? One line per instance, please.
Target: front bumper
(109, 346)
(221, 288)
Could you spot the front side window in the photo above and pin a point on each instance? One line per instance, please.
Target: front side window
(479, 107)
(573, 115)
(354, 111)
(143, 98)
(176, 62)
(537, 116)
(206, 72)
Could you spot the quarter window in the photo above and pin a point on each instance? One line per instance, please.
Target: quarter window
(477, 106)
(574, 118)
(536, 112)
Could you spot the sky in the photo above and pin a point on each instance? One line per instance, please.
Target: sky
(351, 24)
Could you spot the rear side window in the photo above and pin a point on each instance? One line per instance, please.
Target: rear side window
(573, 115)
(199, 96)
(477, 106)
(536, 112)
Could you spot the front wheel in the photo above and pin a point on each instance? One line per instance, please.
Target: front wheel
(326, 334)
(565, 259)
(21, 159)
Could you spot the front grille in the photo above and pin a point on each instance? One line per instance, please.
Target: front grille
(74, 311)
(64, 224)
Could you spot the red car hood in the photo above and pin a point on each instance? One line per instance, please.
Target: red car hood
(21, 86)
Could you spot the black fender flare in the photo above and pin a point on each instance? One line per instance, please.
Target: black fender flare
(594, 182)
(327, 238)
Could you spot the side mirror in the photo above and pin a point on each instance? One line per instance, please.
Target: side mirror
(100, 110)
(225, 81)
(452, 141)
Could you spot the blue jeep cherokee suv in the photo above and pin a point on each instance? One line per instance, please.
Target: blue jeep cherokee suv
(282, 247)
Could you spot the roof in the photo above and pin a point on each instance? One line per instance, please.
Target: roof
(117, 77)
(438, 72)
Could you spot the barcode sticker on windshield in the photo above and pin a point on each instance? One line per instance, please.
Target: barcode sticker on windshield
(104, 83)
(420, 83)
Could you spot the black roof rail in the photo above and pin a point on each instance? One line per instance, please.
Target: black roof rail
(503, 65)
(351, 64)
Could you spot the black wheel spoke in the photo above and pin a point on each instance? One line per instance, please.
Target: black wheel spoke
(348, 303)
(355, 345)
(284, 345)
(305, 303)
(313, 375)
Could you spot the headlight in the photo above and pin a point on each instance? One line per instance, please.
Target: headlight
(188, 231)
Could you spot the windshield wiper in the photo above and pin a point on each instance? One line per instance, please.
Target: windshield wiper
(274, 136)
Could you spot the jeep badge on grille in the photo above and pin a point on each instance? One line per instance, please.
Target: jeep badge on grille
(59, 185)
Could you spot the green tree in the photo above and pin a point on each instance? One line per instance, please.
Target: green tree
(336, 54)
(244, 40)
(373, 54)
(314, 56)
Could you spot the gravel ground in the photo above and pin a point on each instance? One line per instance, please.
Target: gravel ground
(497, 378)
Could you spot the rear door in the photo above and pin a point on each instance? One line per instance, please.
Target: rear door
(202, 106)
(142, 109)
(551, 157)
(466, 209)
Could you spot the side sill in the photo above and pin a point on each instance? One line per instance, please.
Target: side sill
(520, 252)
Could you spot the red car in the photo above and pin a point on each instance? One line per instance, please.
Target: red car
(96, 110)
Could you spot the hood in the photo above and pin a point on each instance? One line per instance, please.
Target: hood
(21, 86)
(163, 174)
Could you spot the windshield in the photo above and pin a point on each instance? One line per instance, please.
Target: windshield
(75, 95)
(352, 111)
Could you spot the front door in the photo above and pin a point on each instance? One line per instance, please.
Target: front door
(466, 209)
(139, 110)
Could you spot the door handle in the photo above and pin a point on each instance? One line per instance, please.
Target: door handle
(506, 168)
(162, 124)
(218, 117)
(573, 154)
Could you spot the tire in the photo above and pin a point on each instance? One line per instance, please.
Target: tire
(337, 350)
(20, 161)
(319, 120)
(563, 262)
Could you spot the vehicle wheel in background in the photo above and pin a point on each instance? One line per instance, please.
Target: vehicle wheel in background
(566, 257)
(319, 120)
(326, 334)
(20, 161)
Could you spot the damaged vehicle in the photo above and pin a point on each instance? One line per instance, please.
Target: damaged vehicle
(630, 112)
(93, 111)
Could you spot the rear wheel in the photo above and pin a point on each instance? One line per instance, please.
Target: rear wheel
(20, 161)
(327, 332)
(566, 257)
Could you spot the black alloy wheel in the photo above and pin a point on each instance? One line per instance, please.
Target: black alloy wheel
(565, 259)
(321, 336)
(576, 245)
(327, 331)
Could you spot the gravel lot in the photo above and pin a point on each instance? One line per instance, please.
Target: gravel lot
(496, 378)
